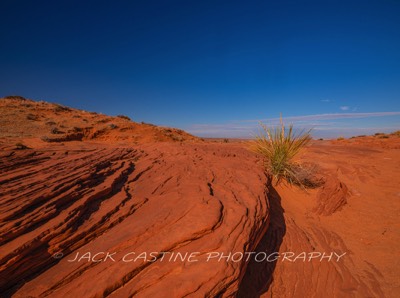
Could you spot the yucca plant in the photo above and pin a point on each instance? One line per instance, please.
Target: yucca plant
(279, 146)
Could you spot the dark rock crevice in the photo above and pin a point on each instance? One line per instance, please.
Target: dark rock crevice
(259, 275)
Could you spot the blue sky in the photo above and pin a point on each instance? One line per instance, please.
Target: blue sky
(214, 68)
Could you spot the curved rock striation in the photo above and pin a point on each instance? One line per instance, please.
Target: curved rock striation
(149, 211)
(141, 205)
(353, 215)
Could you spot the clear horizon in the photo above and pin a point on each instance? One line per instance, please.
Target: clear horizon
(212, 68)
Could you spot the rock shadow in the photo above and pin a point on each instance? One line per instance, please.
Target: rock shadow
(259, 275)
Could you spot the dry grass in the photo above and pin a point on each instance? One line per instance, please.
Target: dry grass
(396, 133)
(279, 146)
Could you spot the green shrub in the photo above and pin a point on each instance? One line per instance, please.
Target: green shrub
(177, 138)
(279, 146)
(145, 123)
(61, 108)
(55, 131)
(396, 133)
(124, 117)
(15, 97)
(32, 117)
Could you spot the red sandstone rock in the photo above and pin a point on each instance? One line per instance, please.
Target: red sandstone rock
(93, 188)
(153, 198)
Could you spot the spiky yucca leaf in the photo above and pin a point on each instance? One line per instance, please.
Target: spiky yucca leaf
(279, 146)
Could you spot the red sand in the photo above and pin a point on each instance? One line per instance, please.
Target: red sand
(130, 187)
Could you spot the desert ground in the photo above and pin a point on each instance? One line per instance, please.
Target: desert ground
(99, 206)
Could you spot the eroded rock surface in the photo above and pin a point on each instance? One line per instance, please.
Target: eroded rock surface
(355, 212)
(79, 183)
(154, 198)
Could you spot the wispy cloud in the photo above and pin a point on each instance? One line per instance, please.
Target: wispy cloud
(328, 116)
(345, 108)
(326, 100)
(320, 122)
